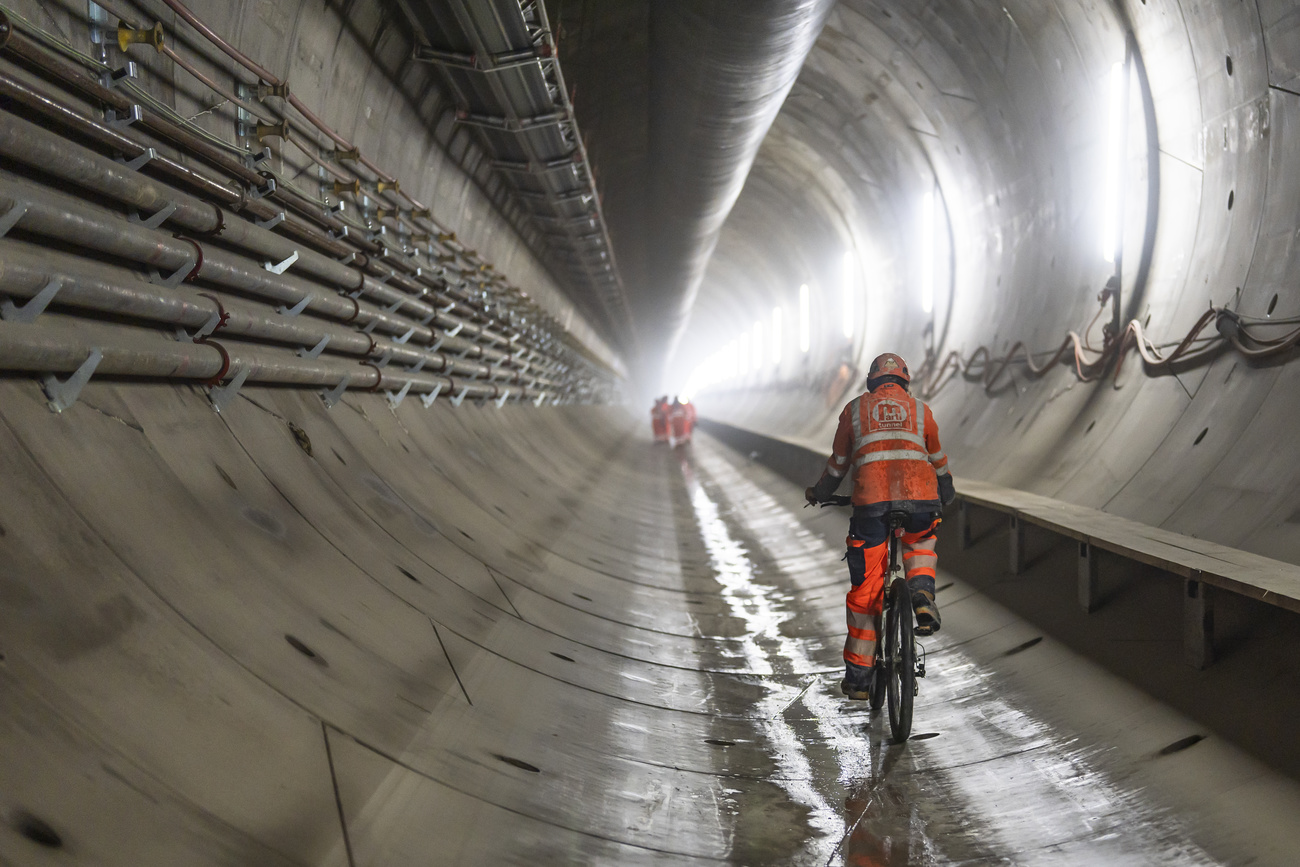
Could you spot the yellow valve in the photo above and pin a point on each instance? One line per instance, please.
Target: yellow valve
(421, 214)
(270, 130)
(353, 154)
(384, 186)
(384, 213)
(129, 36)
(446, 236)
(420, 237)
(341, 187)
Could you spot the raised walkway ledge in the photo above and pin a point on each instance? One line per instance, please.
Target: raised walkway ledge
(1204, 566)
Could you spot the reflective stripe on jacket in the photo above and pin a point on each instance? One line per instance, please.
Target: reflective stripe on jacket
(890, 442)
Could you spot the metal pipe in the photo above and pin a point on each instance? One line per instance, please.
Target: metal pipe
(26, 269)
(27, 143)
(60, 346)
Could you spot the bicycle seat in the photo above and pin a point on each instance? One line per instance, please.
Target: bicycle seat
(896, 518)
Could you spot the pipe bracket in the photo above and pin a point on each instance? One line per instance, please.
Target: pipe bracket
(132, 115)
(316, 350)
(418, 366)
(281, 267)
(501, 401)
(428, 399)
(395, 399)
(26, 314)
(460, 398)
(295, 309)
(222, 395)
(335, 394)
(139, 162)
(156, 219)
(405, 337)
(271, 223)
(12, 216)
(64, 393)
(215, 321)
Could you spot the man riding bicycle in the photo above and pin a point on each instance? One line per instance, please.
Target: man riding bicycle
(892, 443)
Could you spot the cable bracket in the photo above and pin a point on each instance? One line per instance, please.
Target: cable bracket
(26, 314)
(13, 215)
(64, 393)
(335, 394)
(428, 399)
(281, 267)
(460, 398)
(395, 399)
(157, 218)
(293, 311)
(316, 350)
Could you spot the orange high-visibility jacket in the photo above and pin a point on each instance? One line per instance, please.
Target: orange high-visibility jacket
(890, 442)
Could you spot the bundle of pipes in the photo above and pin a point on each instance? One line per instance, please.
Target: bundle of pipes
(82, 235)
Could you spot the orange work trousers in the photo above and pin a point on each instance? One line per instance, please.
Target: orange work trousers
(867, 565)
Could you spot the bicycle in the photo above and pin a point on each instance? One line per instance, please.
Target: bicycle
(900, 659)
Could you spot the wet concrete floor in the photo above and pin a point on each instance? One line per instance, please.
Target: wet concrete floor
(515, 637)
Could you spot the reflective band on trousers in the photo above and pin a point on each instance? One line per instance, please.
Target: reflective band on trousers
(890, 455)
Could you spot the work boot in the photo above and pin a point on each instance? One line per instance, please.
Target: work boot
(927, 612)
(856, 688)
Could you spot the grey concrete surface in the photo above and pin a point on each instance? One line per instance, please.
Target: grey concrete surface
(478, 636)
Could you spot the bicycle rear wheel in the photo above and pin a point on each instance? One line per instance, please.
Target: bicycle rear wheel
(901, 653)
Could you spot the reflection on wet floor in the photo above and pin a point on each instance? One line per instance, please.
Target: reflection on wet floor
(982, 782)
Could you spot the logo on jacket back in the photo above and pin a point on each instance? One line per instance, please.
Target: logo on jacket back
(888, 415)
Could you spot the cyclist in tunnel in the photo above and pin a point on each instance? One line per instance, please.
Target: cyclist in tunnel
(891, 441)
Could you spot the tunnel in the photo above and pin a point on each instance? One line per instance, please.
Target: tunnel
(334, 529)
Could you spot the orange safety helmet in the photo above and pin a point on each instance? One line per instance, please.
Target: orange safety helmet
(888, 365)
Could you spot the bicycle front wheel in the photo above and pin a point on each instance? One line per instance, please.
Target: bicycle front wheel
(901, 652)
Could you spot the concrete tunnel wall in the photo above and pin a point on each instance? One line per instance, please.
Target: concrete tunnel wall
(461, 586)
(1003, 110)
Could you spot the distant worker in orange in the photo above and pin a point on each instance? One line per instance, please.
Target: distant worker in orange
(659, 419)
(681, 419)
(890, 442)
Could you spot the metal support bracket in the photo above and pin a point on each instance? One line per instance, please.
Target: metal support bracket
(426, 320)
(501, 401)
(156, 220)
(418, 366)
(222, 395)
(383, 360)
(12, 216)
(263, 191)
(963, 524)
(1088, 556)
(271, 223)
(405, 337)
(174, 279)
(428, 399)
(348, 259)
(1017, 548)
(437, 344)
(456, 330)
(132, 115)
(335, 394)
(213, 323)
(140, 161)
(541, 397)
(316, 350)
(1198, 623)
(460, 398)
(282, 266)
(395, 399)
(64, 393)
(110, 79)
(295, 309)
(26, 314)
